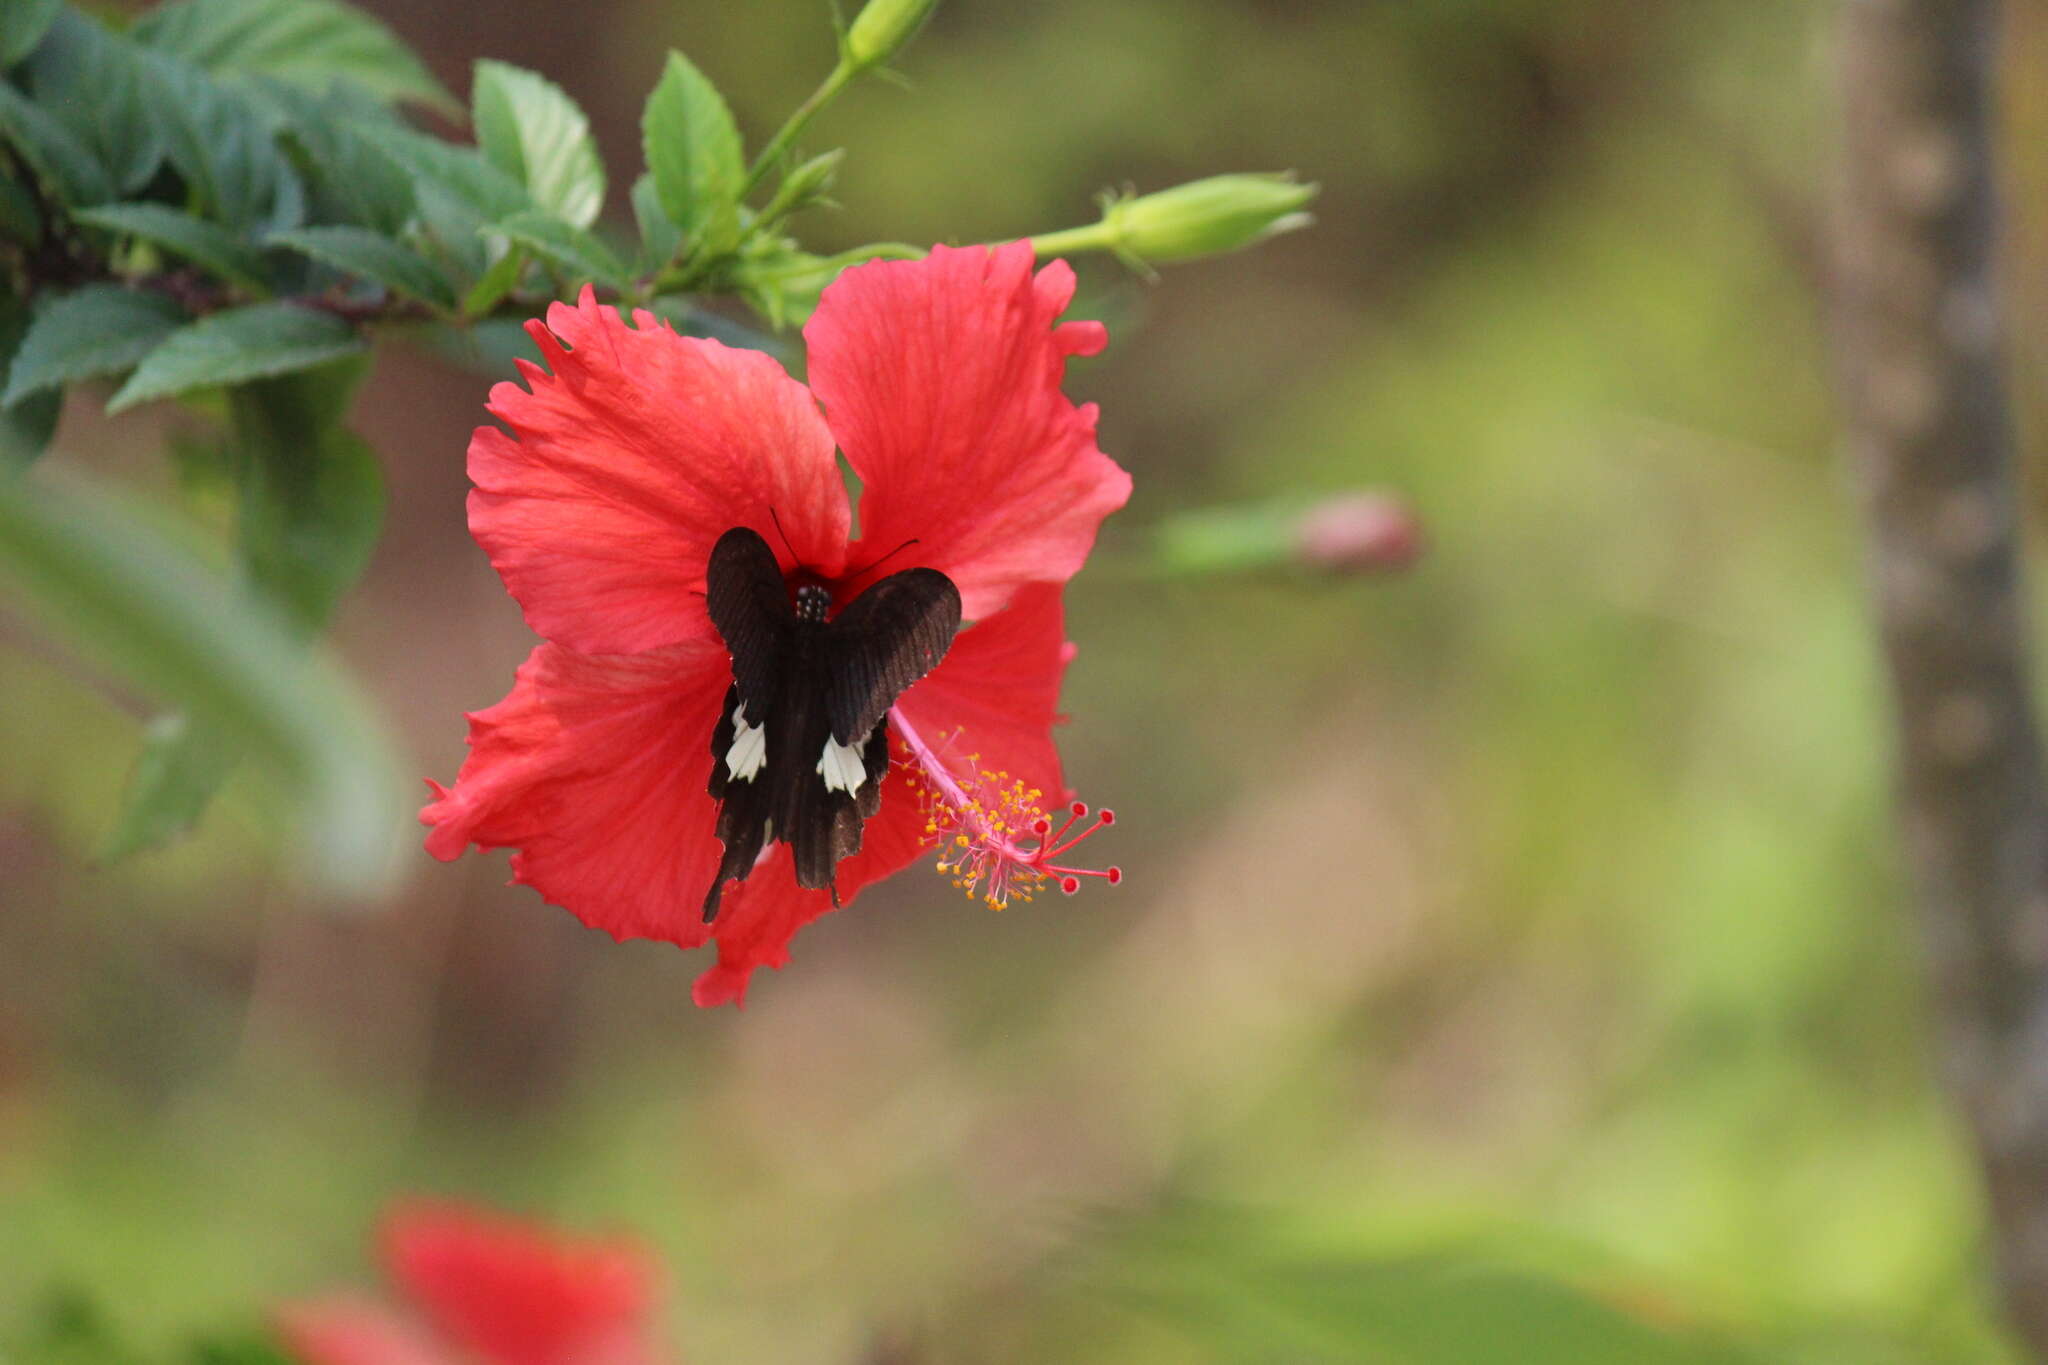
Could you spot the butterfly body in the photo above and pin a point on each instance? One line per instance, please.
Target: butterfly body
(801, 745)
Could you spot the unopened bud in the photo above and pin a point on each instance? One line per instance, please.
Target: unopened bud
(882, 28)
(1208, 217)
(813, 178)
(1346, 533)
(1358, 533)
(802, 187)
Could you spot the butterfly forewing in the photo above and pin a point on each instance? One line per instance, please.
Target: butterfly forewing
(750, 606)
(886, 639)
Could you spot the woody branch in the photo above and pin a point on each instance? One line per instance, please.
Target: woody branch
(1921, 369)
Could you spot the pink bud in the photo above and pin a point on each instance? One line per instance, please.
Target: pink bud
(1358, 533)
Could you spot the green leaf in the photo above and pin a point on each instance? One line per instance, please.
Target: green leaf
(182, 765)
(92, 82)
(486, 346)
(312, 497)
(660, 238)
(534, 133)
(251, 1349)
(309, 507)
(221, 143)
(312, 43)
(237, 345)
(496, 282)
(578, 254)
(1250, 1295)
(461, 172)
(207, 245)
(348, 179)
(457, 192)
(64, 164)
(694, 154)
(22, 23)
(26, 425)
(374, 257)
(1425, 1312)
(20, 220)
(681, 312)
(65, 1325)
(120, 592)
(26, 429)
(100, 329)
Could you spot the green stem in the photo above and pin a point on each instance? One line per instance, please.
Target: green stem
(841, 76)
(1093, 237)
(876, 251)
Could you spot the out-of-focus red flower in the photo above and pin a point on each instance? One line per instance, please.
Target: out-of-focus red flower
(484, 1289)
(627, 458)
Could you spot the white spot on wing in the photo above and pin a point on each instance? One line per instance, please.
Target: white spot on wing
(749, 747)
(840, 766)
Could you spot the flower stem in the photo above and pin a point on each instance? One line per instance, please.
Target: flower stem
(793, 126)
(874, 251)
(1093, 237)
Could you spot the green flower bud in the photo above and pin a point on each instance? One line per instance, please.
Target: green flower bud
(802, 187)
(1353, 533)
(1207, 217)
(882, 28)
(811, 181)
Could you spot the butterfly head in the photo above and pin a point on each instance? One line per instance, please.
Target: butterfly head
(813, 600)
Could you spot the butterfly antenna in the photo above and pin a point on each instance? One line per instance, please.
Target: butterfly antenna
(785, 537)
(878, 563)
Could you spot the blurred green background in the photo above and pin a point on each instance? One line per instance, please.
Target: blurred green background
(1505, 945)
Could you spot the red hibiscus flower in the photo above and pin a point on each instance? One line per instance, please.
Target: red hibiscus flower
(488, 1290)
(635, 450)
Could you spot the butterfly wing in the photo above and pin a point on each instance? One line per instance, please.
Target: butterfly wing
(750, 606)
(885, 640)
(817, 693)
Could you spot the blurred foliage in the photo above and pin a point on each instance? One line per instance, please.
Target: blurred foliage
(1516, 940)
(130, 600)
(68, 1328)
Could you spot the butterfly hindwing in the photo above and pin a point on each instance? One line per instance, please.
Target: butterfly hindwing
(886, 639)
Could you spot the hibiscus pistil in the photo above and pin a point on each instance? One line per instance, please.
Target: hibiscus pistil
(994, 838)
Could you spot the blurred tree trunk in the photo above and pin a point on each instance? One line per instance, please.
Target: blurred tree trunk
(1919, 341)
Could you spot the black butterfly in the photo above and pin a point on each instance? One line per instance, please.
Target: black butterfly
(799, 751)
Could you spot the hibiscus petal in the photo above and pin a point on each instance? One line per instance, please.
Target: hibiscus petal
(344, 1330)
(515, 1293)
(994, 696)
(627, 463)
(595, 767)
(941, 381)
